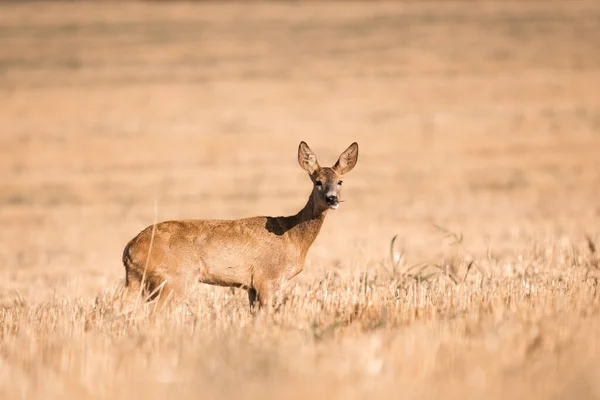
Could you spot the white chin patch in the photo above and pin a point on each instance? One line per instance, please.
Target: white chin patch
(334, 206)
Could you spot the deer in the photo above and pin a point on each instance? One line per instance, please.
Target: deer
(258, 254)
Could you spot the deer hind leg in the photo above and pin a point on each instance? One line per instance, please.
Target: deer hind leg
(163, 288)
(138, 280)
(165, 293)
(143, 286)
(133, 293)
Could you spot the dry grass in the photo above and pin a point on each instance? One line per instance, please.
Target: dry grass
(479, 129)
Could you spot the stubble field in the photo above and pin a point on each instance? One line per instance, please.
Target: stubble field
(478, 125)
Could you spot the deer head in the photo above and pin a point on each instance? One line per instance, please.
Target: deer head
(327, 181)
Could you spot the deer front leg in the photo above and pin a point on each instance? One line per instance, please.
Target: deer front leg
(253, 298)
(269, 293)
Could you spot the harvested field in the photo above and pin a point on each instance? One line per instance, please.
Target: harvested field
(479, 132)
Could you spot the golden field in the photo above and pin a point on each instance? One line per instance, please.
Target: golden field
(479, 132)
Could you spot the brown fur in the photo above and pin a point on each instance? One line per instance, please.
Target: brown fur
(257, 254)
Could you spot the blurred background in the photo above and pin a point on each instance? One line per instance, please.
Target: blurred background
(482, 117)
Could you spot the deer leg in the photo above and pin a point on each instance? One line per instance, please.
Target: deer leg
(268, 293)
(165, 292)
(133, 295)
(253, 298)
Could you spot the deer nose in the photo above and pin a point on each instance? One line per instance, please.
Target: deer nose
(331, 199)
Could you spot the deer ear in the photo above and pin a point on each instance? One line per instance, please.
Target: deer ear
(347, 160)
(307, 159)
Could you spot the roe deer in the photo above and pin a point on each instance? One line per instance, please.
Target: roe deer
(257, 254)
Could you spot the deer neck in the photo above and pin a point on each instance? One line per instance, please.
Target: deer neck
(307, 223)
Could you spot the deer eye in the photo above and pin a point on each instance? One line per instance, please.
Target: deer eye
(319, 183)
(340, 183)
